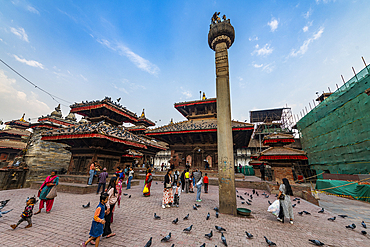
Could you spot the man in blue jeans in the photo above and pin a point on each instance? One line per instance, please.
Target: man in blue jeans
(130, 177)
(198, 183)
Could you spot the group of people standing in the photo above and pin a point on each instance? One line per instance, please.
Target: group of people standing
(174, 185)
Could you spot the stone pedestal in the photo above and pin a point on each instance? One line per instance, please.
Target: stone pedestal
(220, 38)
(283, 172)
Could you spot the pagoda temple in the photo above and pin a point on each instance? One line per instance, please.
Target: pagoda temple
(101, 137)
(282, 159)
(194, 141)
(13, 140)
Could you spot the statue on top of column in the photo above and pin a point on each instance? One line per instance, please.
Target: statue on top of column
(216, 19)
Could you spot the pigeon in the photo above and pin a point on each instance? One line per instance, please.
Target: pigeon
(295, 199)
(237, 196)
(242, 198)
(223, 239)
(243, 202)
(186, 217)
(269, 202)
(188, 229)
(249, 200)
(209, 235)
(332, 219)
(87, 205)
(129, 196)
(254, 191)
(300, 213)
(248, 203)
(156, 182)
(257, 194)
(363, 224)
(321, 211)
(251, 197)
(208, 215)
(294, 205)
(216, 214)
(245, 193)
(216, 209)
(267, 196)
(237, 191)
(175, 221)
(4, 202)
(249, 235)
(343, 215)
(157, 217)
(269, 242)
(149, 243)
(220, 229)
(167, 238)
(5, 212)
(316, 242)
(298, 202)
(364, 232)
(203, 245)
(306, 212)
(353, 226)
(195, 208)
(125, 194)
(197, 205)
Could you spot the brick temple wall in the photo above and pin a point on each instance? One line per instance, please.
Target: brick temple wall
(42, 157)
(283, 172)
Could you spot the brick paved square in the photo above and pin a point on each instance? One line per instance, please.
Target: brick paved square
(68, 224)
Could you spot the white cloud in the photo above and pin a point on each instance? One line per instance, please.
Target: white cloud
(266, 50)
(324, 1)
(269, 67)
(257, 65)
(136, 59)
(305, 28)
(20, 33)
(303, 49)
(273, 24)
(242, 83)
(254, 38)
(83, 77)
(32, 63)
(307, 14)
(13, 103)
(186, 93)
(32, 9)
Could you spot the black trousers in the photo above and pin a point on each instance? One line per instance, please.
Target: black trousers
(183, 184)
(176, 199)
(206, 187)
(108, 218)
(281, 212)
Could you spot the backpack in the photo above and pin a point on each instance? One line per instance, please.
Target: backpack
(150, 178)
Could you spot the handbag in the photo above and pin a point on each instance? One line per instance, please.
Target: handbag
(146, 190)
(52, 193)
(274, 208)
(168, 186)
(281, 197)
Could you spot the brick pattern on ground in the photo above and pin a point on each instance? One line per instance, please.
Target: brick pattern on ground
(68, 224)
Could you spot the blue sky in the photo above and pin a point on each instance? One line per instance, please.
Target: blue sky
(155, 53)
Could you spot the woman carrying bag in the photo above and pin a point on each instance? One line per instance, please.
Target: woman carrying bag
(47, 192)
(286, 209)
(167, 191)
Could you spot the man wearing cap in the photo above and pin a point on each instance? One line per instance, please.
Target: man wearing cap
(102, 180)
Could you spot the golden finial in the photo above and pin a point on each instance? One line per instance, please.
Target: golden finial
(204, 96)
(171, 121)
(22, 118)
(142, 114)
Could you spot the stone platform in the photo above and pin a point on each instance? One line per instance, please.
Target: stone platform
(77, 184)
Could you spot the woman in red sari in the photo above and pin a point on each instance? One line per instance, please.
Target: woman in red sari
(44, 190)
(148, 182)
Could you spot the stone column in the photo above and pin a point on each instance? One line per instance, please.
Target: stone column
(220, 38)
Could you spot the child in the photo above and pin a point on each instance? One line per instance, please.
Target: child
(205, 181)
(27, 213)
(97, 225)
(177, 192)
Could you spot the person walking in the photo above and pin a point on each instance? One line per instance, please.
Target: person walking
(177, 193)
(102, 180)
(182, 179)
(167, 191)
(187, 181)
(112, 199)
(97, 225)
(92, 173)
(205, 181)
(49, 183)
(148, 183)
(286, 209)
(130, 177)
(27, 213)
(198, 183)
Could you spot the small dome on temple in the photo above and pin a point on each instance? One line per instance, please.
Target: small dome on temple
(71, 116)
(83, 120)
(57, 112)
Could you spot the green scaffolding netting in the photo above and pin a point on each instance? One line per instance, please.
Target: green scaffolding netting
(335, 134)
(358, 192)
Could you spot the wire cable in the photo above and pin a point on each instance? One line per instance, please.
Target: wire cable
(33, 84)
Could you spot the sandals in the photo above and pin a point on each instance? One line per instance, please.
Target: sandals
(111, 235)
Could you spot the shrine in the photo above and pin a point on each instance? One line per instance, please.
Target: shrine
(100, 136)
(193, 142)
